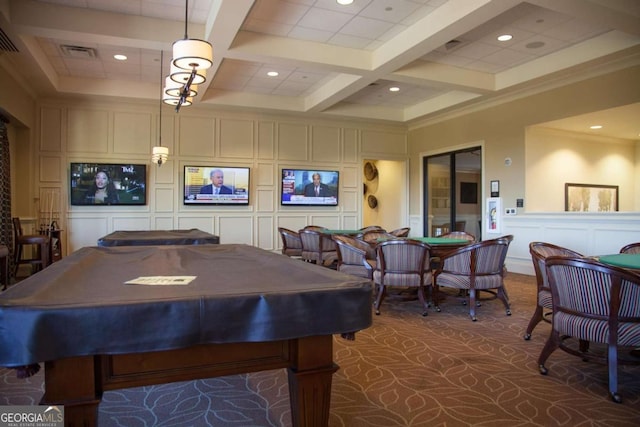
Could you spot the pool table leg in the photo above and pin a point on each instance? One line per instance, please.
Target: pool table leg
(310, 377)
(72, 382)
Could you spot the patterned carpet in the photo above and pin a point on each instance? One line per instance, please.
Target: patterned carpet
(406, 370)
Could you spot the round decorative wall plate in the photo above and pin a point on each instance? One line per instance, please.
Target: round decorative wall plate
(370, 171)
(372, 201)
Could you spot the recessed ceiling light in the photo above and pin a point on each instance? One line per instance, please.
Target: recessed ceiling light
(344, 2)
(505, 37)
(394, 89)
(272, 74)
(596, 127)
(120, 57)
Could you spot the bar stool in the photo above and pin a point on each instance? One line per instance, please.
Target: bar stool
(41, 248)
(4, 266)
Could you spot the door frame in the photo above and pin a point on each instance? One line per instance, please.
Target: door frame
(445, 150)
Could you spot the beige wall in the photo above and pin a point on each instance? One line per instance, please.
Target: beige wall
(501, 131)
(592, 160)
(390, 189)
(121, 132)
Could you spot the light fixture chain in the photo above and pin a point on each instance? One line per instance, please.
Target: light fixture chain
(186, 17)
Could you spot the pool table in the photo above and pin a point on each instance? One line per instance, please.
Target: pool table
(245, 309)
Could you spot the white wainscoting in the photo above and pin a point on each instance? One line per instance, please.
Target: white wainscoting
(587, 233)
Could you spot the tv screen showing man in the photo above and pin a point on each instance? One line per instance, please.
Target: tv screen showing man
(217, 184)
(305, 187)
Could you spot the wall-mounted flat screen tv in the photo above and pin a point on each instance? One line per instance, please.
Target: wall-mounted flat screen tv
(216, 185)
(309, 187)
(108, 184)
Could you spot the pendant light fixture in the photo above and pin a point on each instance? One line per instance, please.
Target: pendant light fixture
(160, 154)
(191, 57)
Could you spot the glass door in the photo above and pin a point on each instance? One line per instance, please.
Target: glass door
(452, 193)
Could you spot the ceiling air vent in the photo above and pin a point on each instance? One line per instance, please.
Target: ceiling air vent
(6, 45)
(78, 52)
(454, 44)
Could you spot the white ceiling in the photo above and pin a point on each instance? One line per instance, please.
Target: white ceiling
(333, 61)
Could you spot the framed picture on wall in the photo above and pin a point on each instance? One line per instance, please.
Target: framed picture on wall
(590, 198)
(469, 192)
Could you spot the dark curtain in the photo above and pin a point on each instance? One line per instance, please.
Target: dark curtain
(6, 227)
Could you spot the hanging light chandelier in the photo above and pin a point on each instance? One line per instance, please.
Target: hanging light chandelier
(160, 154)
(191, 59)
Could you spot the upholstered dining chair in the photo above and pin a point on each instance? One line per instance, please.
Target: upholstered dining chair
(401, 232)
(402, 263)
(459, 235)
(314, 228)
(373, 237)
(631, 248)
(318, 247)
(540, 251)
(355, 256)
(371, 228)
(39, 244)
(475, 267)
(595, 303)
(291, 243)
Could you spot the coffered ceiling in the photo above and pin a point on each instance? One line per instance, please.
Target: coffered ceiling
(332, 60)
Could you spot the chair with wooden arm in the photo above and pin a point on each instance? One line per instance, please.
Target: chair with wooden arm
(291, 243)
(402, 263)
(355, 256)
(540, 251)
(595, 303)
(474, 267)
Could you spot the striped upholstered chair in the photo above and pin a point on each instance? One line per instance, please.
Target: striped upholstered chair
(291, 243)
(631, 248)
(318, 247)
(405, 264)
(593, 303)
(355, 256)
(540, 251)
(474, 267)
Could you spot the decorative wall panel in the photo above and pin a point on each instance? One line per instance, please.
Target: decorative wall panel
(51, 129)
(87, 131)
(204, 223)
(51, 169)
(292, 142)
(266, 140)
(86, 230)
(267, 233)
(132, 133)
(236, 139)
(350, 146)
(130, 222)
(163, 223)
(236, 229)
(165, 174)
(325, 144)
(349, 200)
(264, 174)
(265, 199)
(350, 222)
(350, 177)
(196, 136)
(164, 200)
